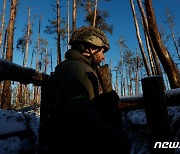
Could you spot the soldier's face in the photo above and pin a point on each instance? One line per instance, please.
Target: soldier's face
(99, 56)
(97, 53)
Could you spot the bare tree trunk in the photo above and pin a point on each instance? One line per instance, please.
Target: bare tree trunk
(139, 40)
(122, 83)
(58, 32)
(68, 27)
(145, 23)
(10, 31)
(174, 40)
(6, 95)
(32, 58)
(19, 96)
(151, 60)
(122, 45)
(27, 39)
(122, 78)
(74, 15)
(124, 86)
(155, 56)
(4, 44)
(130, 82)
(46, 61)
(171, 25)
(22, 87)
(168, 64)
(35, 95)
(51, 60)
(127, 83)
(116, 84)
(137, 74)
(88, 5)
(37, 59)
(95, 13)
(38, 44)
(2, 22)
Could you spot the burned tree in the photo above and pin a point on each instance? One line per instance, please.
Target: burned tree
(168, 64)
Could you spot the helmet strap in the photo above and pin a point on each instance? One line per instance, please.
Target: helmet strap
(94, 62)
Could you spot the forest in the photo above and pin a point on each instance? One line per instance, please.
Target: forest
(151, 58)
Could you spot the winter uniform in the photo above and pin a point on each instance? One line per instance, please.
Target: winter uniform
(85, 119)
(76, 78)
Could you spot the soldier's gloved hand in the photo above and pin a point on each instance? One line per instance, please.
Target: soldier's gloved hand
(106, 103)
(107, 107)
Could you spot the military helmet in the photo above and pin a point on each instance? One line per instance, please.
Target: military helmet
(90, 35)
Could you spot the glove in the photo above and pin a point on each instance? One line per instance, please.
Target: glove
(106, 103)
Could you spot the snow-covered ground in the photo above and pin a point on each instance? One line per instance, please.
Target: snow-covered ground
(136, 128)
(19, 130)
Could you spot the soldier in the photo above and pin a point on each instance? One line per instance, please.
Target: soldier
(86, 118)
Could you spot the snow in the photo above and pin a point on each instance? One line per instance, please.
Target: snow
(136, 128)
(12, 127)
(19, 130)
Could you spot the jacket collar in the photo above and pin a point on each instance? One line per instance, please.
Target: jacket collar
(74, 54)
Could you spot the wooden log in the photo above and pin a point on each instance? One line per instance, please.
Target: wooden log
(105, 78)
(156, 113)
(135, 102)
(25, 75)
(125, 106)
